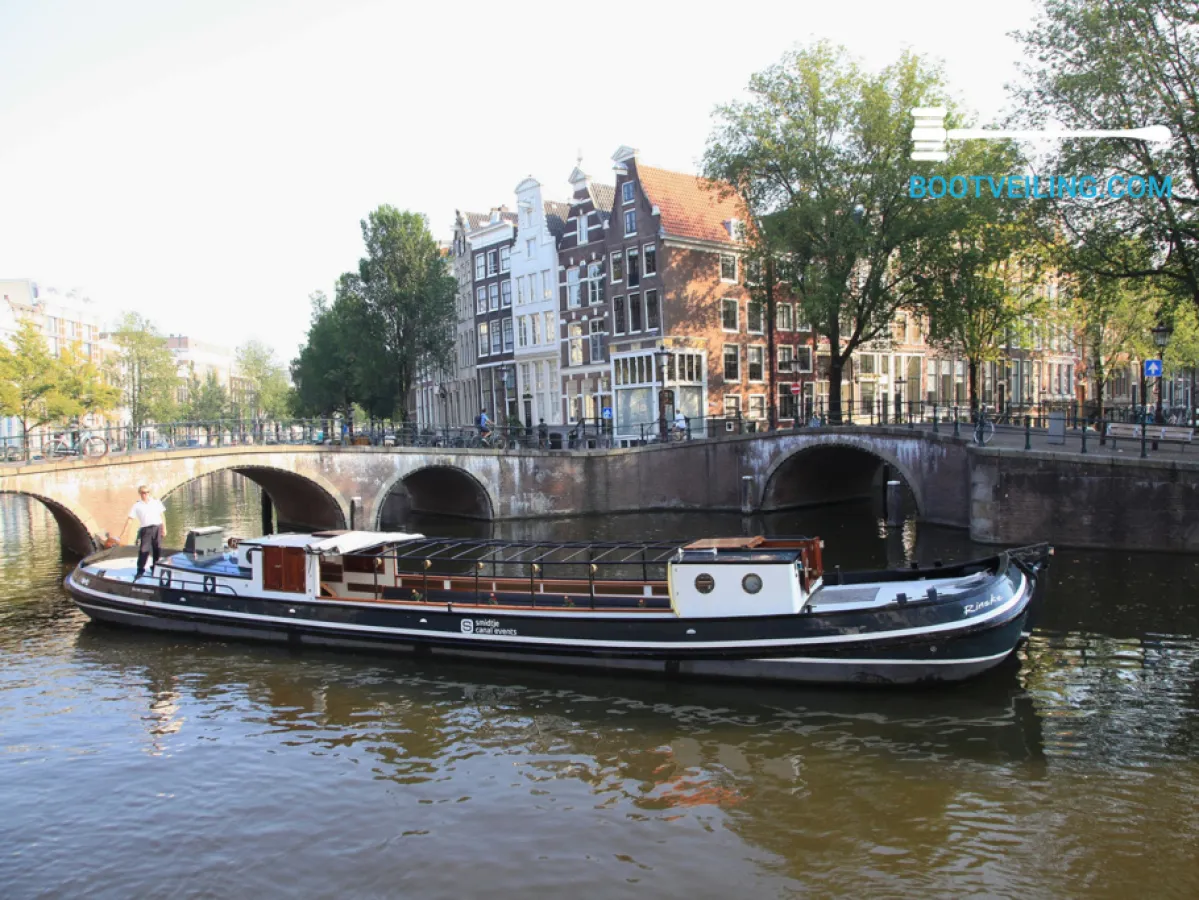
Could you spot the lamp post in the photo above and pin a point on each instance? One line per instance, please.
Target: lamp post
(503, 373)
(899, 383)
(1161, 337)
(662, 355)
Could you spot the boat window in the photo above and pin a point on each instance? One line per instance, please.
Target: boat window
(362, 563)
(704, 583)
(752, 583)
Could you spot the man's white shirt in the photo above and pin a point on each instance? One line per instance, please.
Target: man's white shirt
(147, 512)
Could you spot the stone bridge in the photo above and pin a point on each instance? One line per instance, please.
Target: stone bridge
(340, 487)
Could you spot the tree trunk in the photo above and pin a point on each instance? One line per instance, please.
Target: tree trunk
(770, 348)
(972, 364)
(836, 365)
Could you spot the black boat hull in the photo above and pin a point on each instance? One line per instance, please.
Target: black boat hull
(932, 642)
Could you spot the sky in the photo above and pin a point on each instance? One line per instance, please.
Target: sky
(208, 163)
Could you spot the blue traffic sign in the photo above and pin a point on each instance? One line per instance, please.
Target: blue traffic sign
(1153, 368)
(606, 412)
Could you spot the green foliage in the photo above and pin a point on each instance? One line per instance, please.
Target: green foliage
(988, 276)
(408, 291)
(1123, 64)
(267, 381)
(820, 156)
(389, 320)
(207, 400)
(37, 388)
(145, 371)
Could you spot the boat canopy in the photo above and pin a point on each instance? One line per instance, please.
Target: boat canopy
(354, 541)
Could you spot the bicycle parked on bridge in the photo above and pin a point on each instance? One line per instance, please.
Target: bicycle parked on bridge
(77, 444)
(984, 428)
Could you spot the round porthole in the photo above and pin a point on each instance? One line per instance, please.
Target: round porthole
(704, 583)
(752, 583)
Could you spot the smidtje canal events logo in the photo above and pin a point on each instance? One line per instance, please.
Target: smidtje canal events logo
(930, 137)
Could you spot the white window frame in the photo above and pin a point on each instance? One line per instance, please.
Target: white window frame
(630, 215)
(531, 246)
(723, 327)
(733, 257)
(627, 193)
(549, 327)
(782, 365)
(799, 352)
(631, 300)
(497, 338)
(617, 258)
(761, 329)
(582, 229)
(480, 266)
(493, 296)
(484, 340)
(506, 294)
(631, 254)
(750, 348)
(520, 291)
(508, 336)
(596, 332)
(749, 407)
(658, 304)
(617, 327)
(481, 299)
(536, 328)
(724, 363)
(736, 406)
(505, 259)
(493, 262)
(648, 250)
(573, 288)
(595, 275)
(778, 316)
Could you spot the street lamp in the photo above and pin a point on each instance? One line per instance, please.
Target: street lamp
(899, 383)
(662, 355)
(1161, 336)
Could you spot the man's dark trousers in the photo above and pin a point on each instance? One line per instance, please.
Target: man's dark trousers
(148, 542)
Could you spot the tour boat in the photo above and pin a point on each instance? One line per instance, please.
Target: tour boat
(753, 607)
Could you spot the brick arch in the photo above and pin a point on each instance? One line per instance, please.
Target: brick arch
(303, 499)
(76, 525)
(449, 472)
(823, 445)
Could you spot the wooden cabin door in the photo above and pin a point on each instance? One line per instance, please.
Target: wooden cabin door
(272, 568)
(284, 569)
(294, 566)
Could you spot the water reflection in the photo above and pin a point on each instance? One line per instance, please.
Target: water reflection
(1073, 770)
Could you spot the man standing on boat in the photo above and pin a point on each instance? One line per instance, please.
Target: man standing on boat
(148, 512)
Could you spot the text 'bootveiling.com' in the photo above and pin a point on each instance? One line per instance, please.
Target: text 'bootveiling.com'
(1036, 187)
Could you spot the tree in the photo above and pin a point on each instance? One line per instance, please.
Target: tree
(266, 380)
(822, 150)
(1113, 318)
(145, 370)
(82, 386)
(407, 289)
(987, 276)
(207, 400)
(1123, 64)
(30, 379)
(328, 372)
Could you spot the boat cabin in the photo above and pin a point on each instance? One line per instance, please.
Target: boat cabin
(712, 578)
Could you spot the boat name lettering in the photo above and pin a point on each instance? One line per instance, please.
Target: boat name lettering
(485, 626)
(972, 608)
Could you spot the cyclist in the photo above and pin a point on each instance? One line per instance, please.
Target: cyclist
(680, 427)
(484, 425)
(983, 429)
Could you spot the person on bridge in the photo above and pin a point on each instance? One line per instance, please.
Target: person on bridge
(148, 512)
(484, 425)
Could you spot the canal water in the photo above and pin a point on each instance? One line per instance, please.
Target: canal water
(138, 765)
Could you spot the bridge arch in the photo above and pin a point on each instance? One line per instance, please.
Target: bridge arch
(445, 489)
(301, 499)
(75, 525)
(830, 470)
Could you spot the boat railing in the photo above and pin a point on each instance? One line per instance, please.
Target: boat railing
(610, 573)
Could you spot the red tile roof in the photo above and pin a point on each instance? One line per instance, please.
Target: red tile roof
(691, 206)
